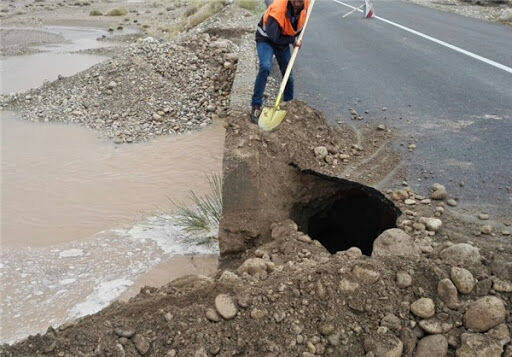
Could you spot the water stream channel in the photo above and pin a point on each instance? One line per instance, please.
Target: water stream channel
(83, 219)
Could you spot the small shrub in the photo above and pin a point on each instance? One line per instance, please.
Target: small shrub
(204, 12)
(95, 13)
(117, 12)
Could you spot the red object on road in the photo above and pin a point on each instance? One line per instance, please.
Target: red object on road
(368, 9)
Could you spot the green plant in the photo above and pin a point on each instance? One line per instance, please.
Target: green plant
(116, 12)
(204, 216)
(95, 13)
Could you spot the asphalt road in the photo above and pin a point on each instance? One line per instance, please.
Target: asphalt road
(457, 109)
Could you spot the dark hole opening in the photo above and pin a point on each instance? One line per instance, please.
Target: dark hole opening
(355, 217)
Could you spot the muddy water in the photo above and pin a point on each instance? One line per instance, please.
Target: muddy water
(19, 73)
(83, 219)
(62, 183)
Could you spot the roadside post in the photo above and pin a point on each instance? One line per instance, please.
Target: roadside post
(368, 9)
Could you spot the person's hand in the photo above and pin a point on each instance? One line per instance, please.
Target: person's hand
(297, 43)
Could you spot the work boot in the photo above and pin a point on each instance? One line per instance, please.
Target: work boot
(255, 114)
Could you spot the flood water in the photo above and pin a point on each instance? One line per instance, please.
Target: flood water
(79, 212)
(83, 220)
(20, 73)
(62, 183)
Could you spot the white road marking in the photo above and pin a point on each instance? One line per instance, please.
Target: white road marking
(442, 43)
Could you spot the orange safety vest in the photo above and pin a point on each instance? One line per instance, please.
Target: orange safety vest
(278, 11)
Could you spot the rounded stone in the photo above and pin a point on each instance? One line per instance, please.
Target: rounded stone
(461, 254)
(225, 306)
(484, 314)
(463, 279)
(212, 315)
(424, 308)
(432, 224)
(395, 242)
(403, 280)
(432, 346)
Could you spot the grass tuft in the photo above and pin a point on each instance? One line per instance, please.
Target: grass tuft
(206, 214)
(95, 13)
(117, 12)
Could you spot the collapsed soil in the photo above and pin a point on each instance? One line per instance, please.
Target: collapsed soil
(290, 297)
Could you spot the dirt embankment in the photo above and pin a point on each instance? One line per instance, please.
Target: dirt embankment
(432, 287)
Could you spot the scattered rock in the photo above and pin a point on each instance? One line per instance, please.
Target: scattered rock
(483, 216)
(486, 229)
(392, 322)
(256, 267)
(438, 192)
(320, 152)
(423, 307)
(326, 328)
(225, 306)
(127, 333)
(432, 346)
(258, 314)
(484, 314)
(365, 275)
(502, 286)
(434, 326)
(461, 254)
(384, 345)
(403, 280)
(479, 345)
(212, 315)
(141, 344)
(451, 202)
(395, 242)
(432, 224)
(463, 279)
(448, 293)
(347, 286)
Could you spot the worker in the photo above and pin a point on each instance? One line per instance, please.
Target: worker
(277, 30)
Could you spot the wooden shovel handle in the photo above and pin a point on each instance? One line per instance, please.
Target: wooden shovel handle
(292, 59)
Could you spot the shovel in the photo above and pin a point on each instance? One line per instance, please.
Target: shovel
(270, 118)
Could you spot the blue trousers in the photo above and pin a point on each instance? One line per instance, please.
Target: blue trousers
(265, 53)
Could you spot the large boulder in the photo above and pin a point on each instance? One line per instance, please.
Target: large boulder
(432, 346)
(484, 314)
(463, 279)
(489, 344)
(395, 242)
(461, 254)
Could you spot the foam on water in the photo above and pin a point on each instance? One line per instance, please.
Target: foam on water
(51, 285)
(171, 238)
(102, 295)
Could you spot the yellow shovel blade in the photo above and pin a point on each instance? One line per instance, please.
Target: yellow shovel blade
(270, 118)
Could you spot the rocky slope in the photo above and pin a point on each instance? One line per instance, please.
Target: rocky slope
(152, 88)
